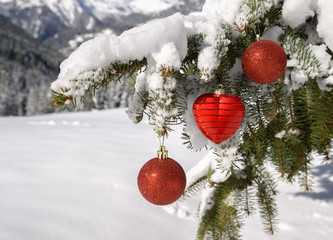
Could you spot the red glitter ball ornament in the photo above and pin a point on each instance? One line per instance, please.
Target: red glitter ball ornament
(161, 181)
(264, 61)
(218, 116)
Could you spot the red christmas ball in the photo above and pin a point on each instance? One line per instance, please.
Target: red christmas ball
(218, 116)
(264, 61)
(161, 181)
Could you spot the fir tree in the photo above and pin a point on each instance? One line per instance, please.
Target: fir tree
(170, 62)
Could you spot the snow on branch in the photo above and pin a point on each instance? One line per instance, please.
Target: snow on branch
(325, 20)
(252, 12)
(296, 12)
(301, 55)
(84, 67)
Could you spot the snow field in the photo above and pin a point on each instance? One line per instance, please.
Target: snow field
(302, 215)
(73, 176)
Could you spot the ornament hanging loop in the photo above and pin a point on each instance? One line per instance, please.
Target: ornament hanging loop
(162, 153)
(219, 90)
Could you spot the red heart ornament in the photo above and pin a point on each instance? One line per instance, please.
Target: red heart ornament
(218, 116)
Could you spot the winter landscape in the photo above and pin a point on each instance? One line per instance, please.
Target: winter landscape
(73, 175)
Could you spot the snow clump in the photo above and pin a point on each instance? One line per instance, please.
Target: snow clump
(295, 13)
(136, 43)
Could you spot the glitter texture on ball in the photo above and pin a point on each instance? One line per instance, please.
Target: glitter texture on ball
(264, 61)
(161, 181)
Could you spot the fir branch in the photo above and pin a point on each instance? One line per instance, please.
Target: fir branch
(305, 179)
(194, 188)
(287, 154)
(291, 114)
(262, 175)
(273, 16)
(220, 221)
(230, 223)
(275, 111)
(164, 110)
(138, 105)
(320, 114)
(221, 73)
(252, 12)
(280, 158)
(255, 142)
(60, 99)
(296, 48)
(246, 205)
(186, 139)
(209, 227)
(266, 191)
(183, 90)
(301, 117)
(87, 83)
(194, 44)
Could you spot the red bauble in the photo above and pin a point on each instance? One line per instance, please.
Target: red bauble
(218, 116)
(161, 181)
(264, 61)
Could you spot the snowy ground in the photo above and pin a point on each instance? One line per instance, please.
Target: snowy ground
(72, 176)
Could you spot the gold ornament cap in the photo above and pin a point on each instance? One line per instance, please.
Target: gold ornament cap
(219, 90)
(162, 153)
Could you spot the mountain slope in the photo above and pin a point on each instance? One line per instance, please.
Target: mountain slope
(44, 18)
(26, 69)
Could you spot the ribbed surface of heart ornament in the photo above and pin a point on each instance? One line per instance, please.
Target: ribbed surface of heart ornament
(218, 116)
